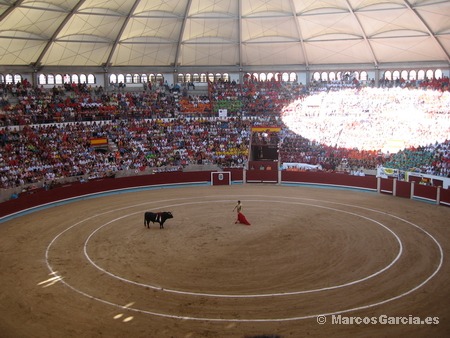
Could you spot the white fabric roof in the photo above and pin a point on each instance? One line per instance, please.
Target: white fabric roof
(223, 32)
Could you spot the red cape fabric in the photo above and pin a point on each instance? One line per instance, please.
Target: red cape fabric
(242, 219)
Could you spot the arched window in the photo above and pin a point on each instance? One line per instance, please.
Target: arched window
(255, 76)
(144, 78)
(316, 76)
(324, 77)
(9, 79)
(120, 78)
(363, 76)
(293, 77)
(412, 75)
(83, 78)
(50, 79)
(269, 76)
(332, 76)
(356, 75)
(180, 78)
(388, 75)
(17, 78)
(188, 77)
(396, 75)
(226, 77)
(202, 77)
(262, 77)
(218, 76)
(128, 78)
(75, 78)
(430, 74)
(211, 77)
(113, 78)
(41, 79)
(2, 78)
(159, 78)
(421, 75)
(91, 79)
(58, 79)
(136, 78)
(404, 75)
(438, 74)
(347, 76)
(196, 77)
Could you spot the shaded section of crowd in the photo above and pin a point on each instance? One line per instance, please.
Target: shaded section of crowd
(47, 152)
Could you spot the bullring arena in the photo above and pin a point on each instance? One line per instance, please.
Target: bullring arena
(313, 259)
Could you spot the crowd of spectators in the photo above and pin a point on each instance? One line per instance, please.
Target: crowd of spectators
(433, 159)
(254, 98)
(46, 152)
(36, 105)
(151, 128)
(371, 118)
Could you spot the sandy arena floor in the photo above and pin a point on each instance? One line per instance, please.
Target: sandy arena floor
(91, 269)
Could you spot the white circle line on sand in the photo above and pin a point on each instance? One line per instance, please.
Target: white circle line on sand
(363, 307)
(399, 253)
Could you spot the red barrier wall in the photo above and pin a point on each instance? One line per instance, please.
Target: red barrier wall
(445, 197)
(368, 182)
(237, 174)
(403, 189)
(262, 176)
(425, 191)
(262, 171)
(387, 185)
(221, 178)
(41, 196)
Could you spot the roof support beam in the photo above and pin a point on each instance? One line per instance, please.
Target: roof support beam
(430, 33)
(239, 22)
(180, 37)
(299, 32)
(116, 41)
(10, 9)
(364, 35)
(58, 30)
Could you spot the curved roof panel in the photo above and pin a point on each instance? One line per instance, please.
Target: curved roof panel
(222, 32)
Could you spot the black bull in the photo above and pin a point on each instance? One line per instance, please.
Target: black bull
(156, 217)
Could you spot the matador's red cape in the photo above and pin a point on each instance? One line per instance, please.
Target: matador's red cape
(242, 219)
